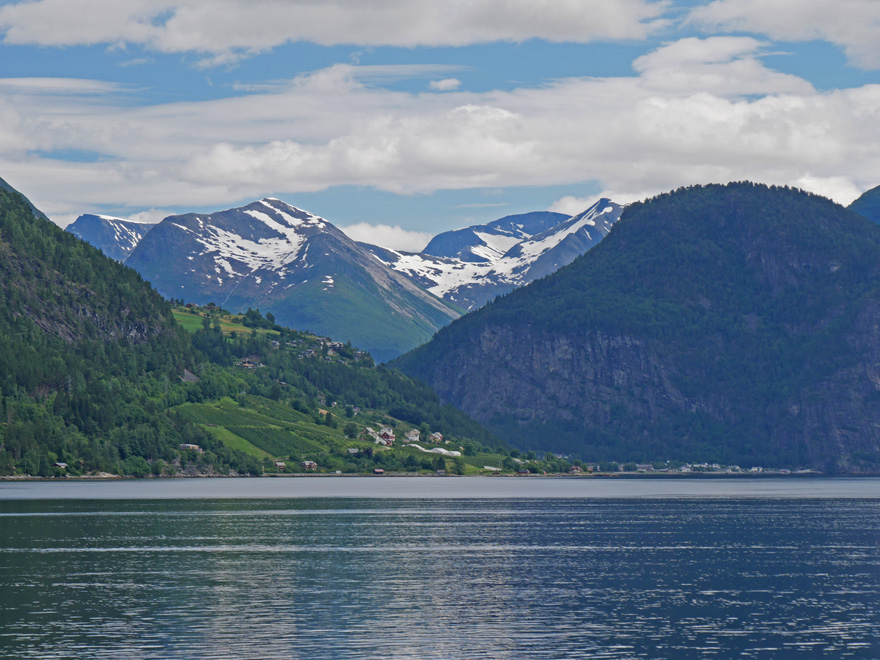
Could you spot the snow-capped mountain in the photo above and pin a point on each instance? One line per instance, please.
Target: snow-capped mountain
(278, 258)
(489, 242)
(471, 266)
(115, 237)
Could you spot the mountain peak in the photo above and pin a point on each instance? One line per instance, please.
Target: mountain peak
(115, 237)
(276, 257)
(471, 266)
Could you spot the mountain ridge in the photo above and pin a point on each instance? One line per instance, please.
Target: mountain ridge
(115, 237)
(471, 272)
(295, 265)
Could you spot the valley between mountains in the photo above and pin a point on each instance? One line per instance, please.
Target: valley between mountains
(309, 275)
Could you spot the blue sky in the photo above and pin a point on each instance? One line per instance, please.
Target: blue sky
(398, 119)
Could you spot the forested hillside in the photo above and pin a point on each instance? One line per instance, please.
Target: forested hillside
(96, 375)
(732, 323)
(88, 355)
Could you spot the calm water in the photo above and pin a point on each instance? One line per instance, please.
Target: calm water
(374, 569)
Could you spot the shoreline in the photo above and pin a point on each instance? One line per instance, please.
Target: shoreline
(107, 477)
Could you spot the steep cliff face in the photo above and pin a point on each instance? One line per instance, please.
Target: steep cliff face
(738, 324)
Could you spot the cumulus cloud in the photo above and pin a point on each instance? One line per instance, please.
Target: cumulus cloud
(838, 188)
(570, 205)
(150, 216)
(725, 66)
(393, 238)
(635, 135)
(445, 85)
(224, 30)
(853, 25)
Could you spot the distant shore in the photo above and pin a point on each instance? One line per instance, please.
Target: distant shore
(106, 476)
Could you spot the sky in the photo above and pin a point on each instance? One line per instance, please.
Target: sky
(399, 119)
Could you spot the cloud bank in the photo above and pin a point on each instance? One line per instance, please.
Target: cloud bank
(697, 110)
(853, 25)
(225, 30)
(392, 237)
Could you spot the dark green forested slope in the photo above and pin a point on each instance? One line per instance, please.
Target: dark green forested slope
(92, 365)
(868, 205)
(732, 323)
(88, 354)
(37, 212)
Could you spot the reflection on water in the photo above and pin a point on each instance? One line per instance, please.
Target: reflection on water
(342, 578)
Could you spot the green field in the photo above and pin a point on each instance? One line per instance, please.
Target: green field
(267, 429)
(192, 322)
(233, 441)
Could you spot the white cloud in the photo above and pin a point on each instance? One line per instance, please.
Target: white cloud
(224, 30)
(725, 66)
(570, 205)
(834, 187)
(57, 86)
(445, 85)
(150, 216)
(393, 238)
(635, 135)
(853, 25)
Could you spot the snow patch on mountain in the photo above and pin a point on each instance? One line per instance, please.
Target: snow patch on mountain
(272, 243)
(494, 245)
(115, 237)
(495, 258)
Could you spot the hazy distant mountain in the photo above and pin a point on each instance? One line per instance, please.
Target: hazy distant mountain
(115, 237)
(471, 266)
(298, 266)
(733, 324)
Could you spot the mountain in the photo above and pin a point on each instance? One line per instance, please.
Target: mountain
(868, 205)
(115, 237)
(486, 243)
(471, 266)
(294, 265)
(736, 324)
